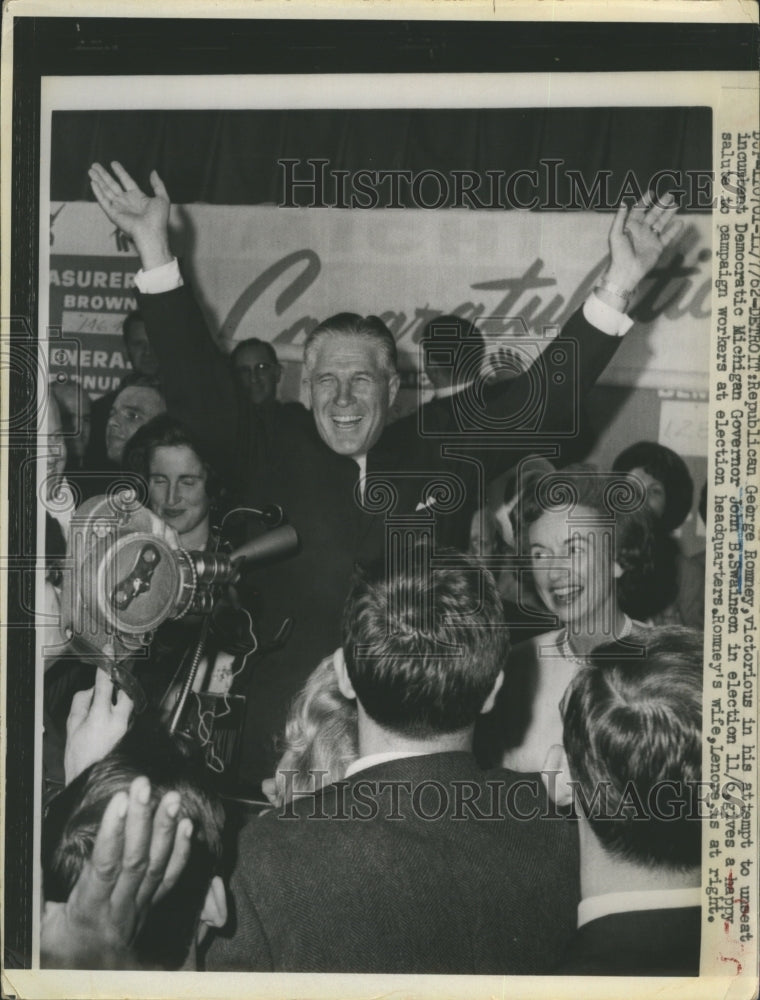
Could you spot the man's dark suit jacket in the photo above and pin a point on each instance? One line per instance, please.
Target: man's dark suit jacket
(405, 894)
(640, 943)
(287, 463)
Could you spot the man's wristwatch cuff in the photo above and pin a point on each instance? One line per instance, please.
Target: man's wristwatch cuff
(604, 317)
(620, 292)
(164, 278)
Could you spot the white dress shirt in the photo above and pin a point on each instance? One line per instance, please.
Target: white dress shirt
(370, 759)
(640, 899)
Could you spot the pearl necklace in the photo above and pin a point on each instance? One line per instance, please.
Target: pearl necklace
(566, 652)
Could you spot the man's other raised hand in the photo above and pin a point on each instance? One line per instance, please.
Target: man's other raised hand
(637, 239)
(144, 218)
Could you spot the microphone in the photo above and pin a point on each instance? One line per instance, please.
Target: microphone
(271, 515)
(273, 544)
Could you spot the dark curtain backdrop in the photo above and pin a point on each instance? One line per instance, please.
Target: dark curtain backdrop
(230, 157)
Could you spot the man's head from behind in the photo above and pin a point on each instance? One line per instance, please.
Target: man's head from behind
(424, 648)
(74, 817)
(633, 726)
(257, 369)
(350, 367)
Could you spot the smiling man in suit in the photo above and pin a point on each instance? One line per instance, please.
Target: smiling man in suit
(339, 475)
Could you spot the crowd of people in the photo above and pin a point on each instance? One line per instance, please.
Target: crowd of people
(427, 739)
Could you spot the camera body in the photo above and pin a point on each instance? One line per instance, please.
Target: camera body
(126, 574)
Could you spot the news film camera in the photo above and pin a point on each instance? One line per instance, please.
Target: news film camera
(127, 575)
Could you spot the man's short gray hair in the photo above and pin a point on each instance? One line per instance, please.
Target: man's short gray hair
(352, 324)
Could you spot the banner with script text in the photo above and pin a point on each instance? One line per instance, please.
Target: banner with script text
(274, 273)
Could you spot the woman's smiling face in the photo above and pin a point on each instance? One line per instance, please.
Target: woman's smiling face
(574, 567)
(177, 487)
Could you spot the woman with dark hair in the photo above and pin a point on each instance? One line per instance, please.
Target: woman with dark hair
(591, 554)
(184, 490)
(669, 495)
(668, 483)
(182, 485)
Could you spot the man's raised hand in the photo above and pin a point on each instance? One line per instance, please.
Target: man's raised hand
(637, 239)
(137, 858)
(144, 218)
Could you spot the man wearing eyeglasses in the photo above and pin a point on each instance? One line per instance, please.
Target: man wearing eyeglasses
(271, 425)
(257, 370)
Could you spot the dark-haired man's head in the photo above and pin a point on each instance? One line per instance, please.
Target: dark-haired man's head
(424, 648)
(257, 369)
(452, 351)
(633, 738)
(73, 818)
(137, 345)
(135, 404)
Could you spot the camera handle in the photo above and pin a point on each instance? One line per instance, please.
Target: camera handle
(187, 684)
(122, 676)
(277, 542)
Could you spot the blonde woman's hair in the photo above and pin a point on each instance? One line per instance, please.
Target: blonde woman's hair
(320, 736)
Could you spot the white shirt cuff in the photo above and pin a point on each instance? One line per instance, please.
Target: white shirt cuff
(604, 317)
(161, 279)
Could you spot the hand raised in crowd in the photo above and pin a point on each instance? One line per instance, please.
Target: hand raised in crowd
(506, 363)
(144, 218)
(137, 858)
(637, 239)
(95, 724)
